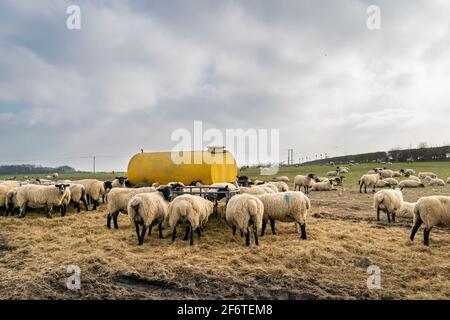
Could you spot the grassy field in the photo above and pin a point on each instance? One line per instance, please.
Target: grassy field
(344, 239)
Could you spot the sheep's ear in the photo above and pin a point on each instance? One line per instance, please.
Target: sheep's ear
(67, 185)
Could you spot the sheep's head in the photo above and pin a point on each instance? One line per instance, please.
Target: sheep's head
(167, 192)
(107, 185)
(312, 175)
(62, 187)
(121, 179)
(421, 185)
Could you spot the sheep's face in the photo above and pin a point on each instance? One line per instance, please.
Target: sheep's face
(61, 187)
(121, 180)
(167, 193)
(107, 185)
(312, 175)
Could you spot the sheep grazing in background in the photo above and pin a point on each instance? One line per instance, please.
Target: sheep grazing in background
(269, 185)
(256, 190)
(437, 182)
(334, 173)
(406, 210)
(382, 184)
(290, 206)
(427, 179)
(281, 178)
(396, 174)
(448, 180)
(304, 181)
(414, 178)
(432, 211)
(118, 199)
(281, 185)
(193, 210)
(326, 185)
(407, 172)
(368, 180)
(371, 172)
(95, 189)
(386, 173)
(35, 196)
(388, 201)
(391, 181)
(149, 209)
(422, 175)
(243, 211)
(410, 184)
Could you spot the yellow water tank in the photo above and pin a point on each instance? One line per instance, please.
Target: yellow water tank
(212, 166)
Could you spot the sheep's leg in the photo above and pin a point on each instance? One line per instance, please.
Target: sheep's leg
(263, 227)
(378, 213)
(78, 206)
(50, 211)
(388, 216)
(393, 217)
(255, 233)
(242, 233)
(303, 230)
(199, 232)
(360, 188)
(272, 225)
(174, 233)
(415, 228)
(234, 231)
(426, 236)
(247, 237)
(85, 203)
(115, 216)
(191, 236)
(150, 230)
(160, 231)
(108, 220)
(23, 211)
(143, 231)
(186, 235)
(96, 204)
(137, 232)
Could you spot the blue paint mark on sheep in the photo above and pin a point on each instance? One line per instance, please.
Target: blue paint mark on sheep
(286, 198)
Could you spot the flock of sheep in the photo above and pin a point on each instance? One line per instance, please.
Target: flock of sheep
(245, 205)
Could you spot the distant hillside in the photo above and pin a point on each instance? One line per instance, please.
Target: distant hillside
(28, 169)
(419, 154)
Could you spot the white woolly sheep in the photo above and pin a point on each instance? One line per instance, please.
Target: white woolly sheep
(386, 173)
(77, 194)
(427, 179)
(65, 201)
(382, 184)
(437, 182)
(281, 185)
(281, 178)
(11, 184)
(290, 206)
(119, 182)
(326, 185)
(3, 191)
(448, 180)
(94, 189)
(391, 181)
(193, 210)
(243, 211)
(414, 178)
(407, 172)
(118, 199)
(256, 190)
(396, 174)
(368, 180)
(332, 173)
(410, 184)
(149, 209)
(433, 211)
(304, 181)
(35, 196)
(422, 175)
(11, 201)
(225, 184)
(388, 201)
(271, 186)
(406, 210)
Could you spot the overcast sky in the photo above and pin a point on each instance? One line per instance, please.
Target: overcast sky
(138, 70)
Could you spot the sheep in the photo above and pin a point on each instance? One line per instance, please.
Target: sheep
(427, 179)
(35, 196)
(437, 182)
(386, 173)
(281, 185)
(118, 199)
(46, 182)
(194, 210)
(77, 194)
(433, 211)
(388, 201)
(230, 186)
(407, 172)
(410, 184)
(382, 184)
(323, 186)
(149, 209)
(371, 172)
(256, 190)
(65, 201)
(304, 181)
(281, 178)
(414, 178)
(289, 206)
(422, 175)
(448, 180)
(332, 173)
(3, 191)
(406, 209)
(94, 189)
(119, 182)
(268, 185)
(396, 174)
(11, 184)
(243, 211)
(11, 201)
(368, 180)
(391, 181)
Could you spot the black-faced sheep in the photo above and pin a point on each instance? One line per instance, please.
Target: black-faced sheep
(388, 201)
(368, 180)
(304, 181)
(410, 184)
(35, 196)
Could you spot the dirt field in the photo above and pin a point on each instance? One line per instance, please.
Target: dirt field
(344, 239)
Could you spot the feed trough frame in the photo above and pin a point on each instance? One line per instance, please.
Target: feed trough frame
(210, 193)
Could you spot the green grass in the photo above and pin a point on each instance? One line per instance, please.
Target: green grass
(442, 169)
